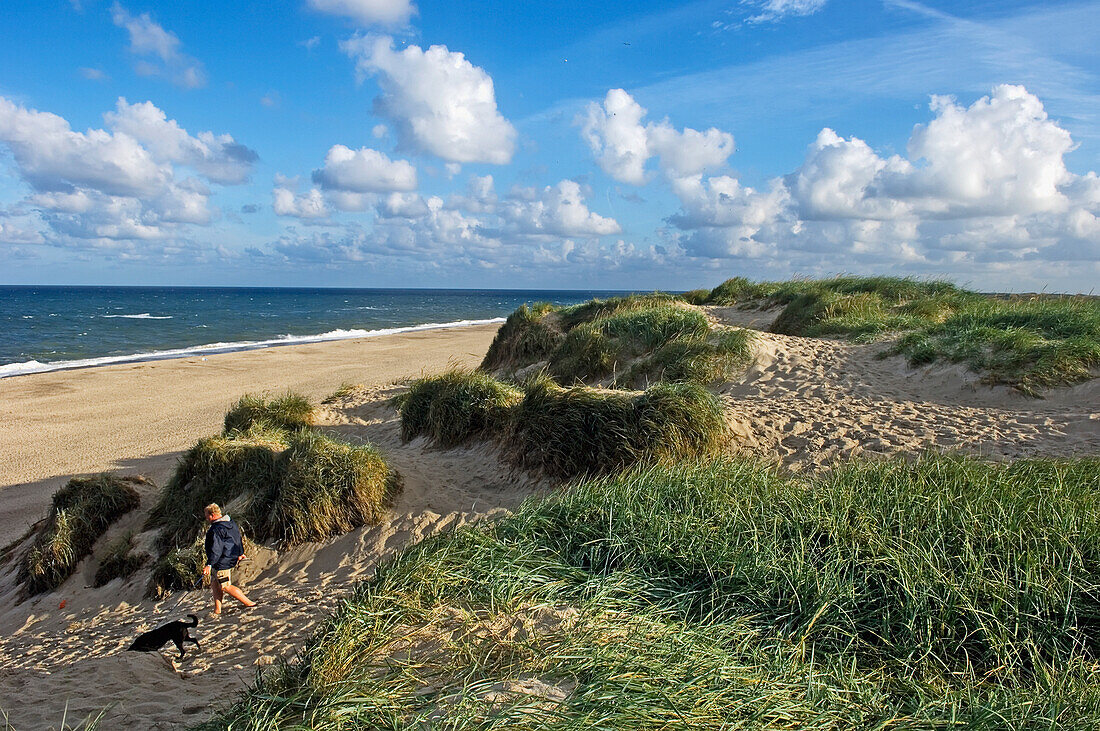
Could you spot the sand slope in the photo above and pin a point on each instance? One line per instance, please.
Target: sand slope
(806, 402)
(50, 656)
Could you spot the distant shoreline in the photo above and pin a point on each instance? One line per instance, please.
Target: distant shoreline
(27, 368)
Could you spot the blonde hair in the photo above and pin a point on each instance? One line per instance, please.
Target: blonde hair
(212, 509)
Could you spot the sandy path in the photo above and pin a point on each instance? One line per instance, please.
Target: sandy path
(810, 401)
(138, 416)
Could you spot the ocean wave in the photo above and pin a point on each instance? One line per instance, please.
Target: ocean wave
(34, 366)
(142, 316)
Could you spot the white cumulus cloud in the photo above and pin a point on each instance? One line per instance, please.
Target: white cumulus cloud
(623, 144)
(981, 184)
(556, 210)
(127, 181)
(218, 158)
(364, 171)
(438, 101)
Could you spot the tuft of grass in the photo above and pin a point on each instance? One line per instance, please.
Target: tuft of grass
(568, 432)
(346, 389)
(80, 513)
(456, 407)
(530, 334)
(178, 569)
(603, 342)
(283, 486)
(329, 488)
(220, 469)
(289, 411)
(696, 296)
(724, 594)
(719, 357)
(119, 561)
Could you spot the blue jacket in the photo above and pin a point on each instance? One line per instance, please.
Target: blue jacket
(223, 545)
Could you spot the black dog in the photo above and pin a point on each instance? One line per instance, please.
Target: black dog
(155, 639)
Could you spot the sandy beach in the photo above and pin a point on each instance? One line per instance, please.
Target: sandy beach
(805, 402)
(137, 417)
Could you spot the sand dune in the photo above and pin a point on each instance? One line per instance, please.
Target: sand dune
(806, 402)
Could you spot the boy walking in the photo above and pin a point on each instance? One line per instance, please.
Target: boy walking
(224, 549)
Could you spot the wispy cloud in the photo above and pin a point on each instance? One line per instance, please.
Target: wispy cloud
(770, 11)
(159, 50)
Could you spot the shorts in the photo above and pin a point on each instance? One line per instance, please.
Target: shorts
(222, 577)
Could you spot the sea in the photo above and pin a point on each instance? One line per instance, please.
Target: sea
(55, 328)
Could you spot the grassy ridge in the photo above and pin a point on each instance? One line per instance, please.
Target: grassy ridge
(565, 432)
(283, 485)
(623, 342)
(1028, 342)
(725, 595)
(80, 513)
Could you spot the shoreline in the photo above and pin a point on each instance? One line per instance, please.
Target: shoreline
(33, 367)
(138, 417)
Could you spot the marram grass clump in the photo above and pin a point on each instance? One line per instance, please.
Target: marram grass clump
(119, 561)
(456, 407)
(289, 411)
(281, 486)
(620, 342)
(80, 513)
(223, 469)
(530, 334)
(568, 432)
(944, 593)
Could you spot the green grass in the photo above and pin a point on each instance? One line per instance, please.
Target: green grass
(565, 432)
(1029, 342)
(621, 342)
(80, 513)
(456, 407)
(568, 432)
(119, 561)
(346, 389)
(289, 411)
(281, 486)
(530, 334)
(723, 594)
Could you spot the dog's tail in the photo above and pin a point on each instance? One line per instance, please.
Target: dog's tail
(194, 620)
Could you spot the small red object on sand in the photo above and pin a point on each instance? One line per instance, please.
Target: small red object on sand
(61, 605)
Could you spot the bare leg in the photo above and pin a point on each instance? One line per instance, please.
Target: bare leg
(216, 590)
(238, 595)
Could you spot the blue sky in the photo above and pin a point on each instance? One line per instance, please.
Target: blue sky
(574, 144)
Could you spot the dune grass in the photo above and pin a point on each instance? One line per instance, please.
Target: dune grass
(346, 389)
(568, 432)
(281, 485)
(565, 432)
(530, 334)
(1031, 342)
(620, 342)
(119, 561)
(289, 411)
(456, 407)
(80, 513)
(724, 594)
